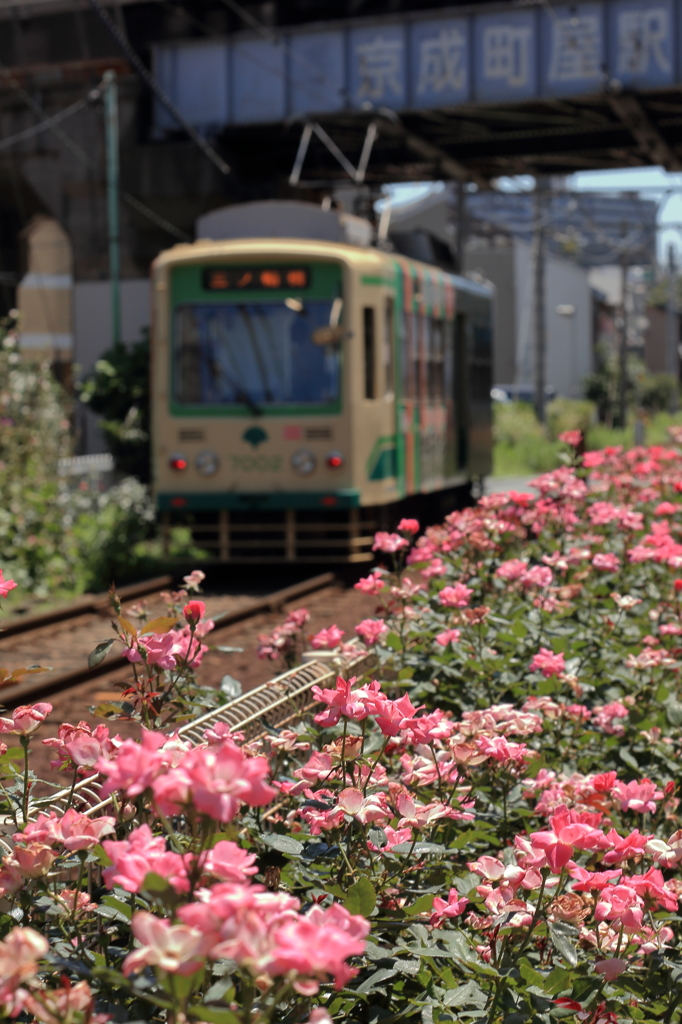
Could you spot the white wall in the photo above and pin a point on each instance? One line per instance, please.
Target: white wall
(92, 337)
(92, 317)
(569, 355)
(569, 338)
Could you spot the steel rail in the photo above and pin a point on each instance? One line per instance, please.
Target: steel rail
(83, 606)
(47, 684)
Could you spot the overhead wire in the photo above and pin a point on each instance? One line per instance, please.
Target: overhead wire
(137, 204)
(43, 126)
(152, 84)
(273, 37)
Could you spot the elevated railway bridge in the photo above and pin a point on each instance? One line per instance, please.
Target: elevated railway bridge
(297, 96)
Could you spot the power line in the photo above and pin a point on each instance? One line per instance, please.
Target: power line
(154, 86)
(85, 158)
(44, 126)
(155, 218)
(252, 22)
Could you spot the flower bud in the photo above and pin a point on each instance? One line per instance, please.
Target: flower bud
(194, 611)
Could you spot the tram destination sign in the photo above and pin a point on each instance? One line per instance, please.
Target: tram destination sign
(261, 278)
(425, 61)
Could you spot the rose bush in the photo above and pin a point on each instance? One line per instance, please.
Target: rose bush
(484, 827)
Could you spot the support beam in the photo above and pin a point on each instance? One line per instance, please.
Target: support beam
(631, 113)
(442, 161)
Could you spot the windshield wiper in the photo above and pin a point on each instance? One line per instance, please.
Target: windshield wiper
(240, 392)
(245, 397)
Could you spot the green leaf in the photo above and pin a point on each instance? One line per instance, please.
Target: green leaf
(530, 975)
(463, 994)
(118, 905)
(102, 856)
(421, 906)
(562, 937)
(12, 754)
(218, 989)
(459, 946)
(284, 844)
(673, 711)
(213, 1016)
(184, 984)
(161, 625)
(629, 759)
(469, 837)
(361, 898)
(155, 884)
(112, 914)
(100, 652)
(418, 848)
(375, 979)
(393, 641)
(558, 981)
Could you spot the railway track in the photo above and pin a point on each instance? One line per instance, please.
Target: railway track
(49, 683)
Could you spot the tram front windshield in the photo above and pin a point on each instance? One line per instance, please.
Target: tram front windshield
(256, 354)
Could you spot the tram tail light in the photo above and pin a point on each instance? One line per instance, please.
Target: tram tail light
(177, 461)
(334, 460)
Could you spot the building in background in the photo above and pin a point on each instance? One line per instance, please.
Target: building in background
(509, 263)
(589, 238)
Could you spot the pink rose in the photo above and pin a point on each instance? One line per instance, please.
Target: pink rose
(372, 584)
(175, 948)
(455, 597)
(408, 526)
(26, 719)
(5, 585)
(389, 543)
(371, 630)
(547, 662)
(329, 637)
(444, 909)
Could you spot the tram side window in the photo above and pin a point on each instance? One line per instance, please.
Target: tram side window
(389, 347)
(418, 342)
(436, 354)
(370, 358)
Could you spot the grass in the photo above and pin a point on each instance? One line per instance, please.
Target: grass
(523, 446)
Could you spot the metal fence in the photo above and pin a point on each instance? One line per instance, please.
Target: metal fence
(279, 702)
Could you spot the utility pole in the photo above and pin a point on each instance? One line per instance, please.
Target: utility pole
(672, 331)
(112, 156)
(623, 353)
(540, 324)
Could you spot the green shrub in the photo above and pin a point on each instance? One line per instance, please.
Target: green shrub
(656, 391)
(569, 414)
(56, 541)
(34, 435)
(520, 442)
(118, 390)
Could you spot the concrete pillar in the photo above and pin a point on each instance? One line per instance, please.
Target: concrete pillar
(45, 293)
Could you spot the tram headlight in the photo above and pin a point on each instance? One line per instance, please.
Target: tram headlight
(303, 461)
(334, 460)
(178, 461)
(207, 463)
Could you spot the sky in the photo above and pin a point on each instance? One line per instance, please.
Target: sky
(650, 182)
